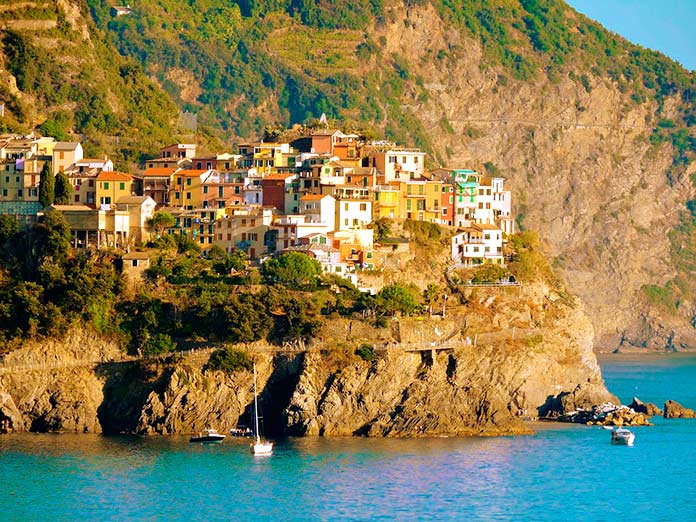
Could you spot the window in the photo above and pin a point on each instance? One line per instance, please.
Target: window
(408, 204)
(4, 192)
(355, 222)
(403, 159)
(106, 185)
(7, 179)
(122, 186)
(61, 155)
(188, 195)
(444, 211)
(363, 207)
(486, 236)
(177, 195)
(205, 189)
(345, 207)
(106, 200)
(90, 183)
(229, 237)
(188, 182)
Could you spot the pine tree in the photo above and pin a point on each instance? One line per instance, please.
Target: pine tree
(63, 189)
(47, 186)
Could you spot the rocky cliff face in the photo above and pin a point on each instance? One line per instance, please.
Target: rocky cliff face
(582, 169)
(426, 378)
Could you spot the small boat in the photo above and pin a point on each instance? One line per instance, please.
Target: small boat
(242, 431)
(209, 435)
(259, 446)
(623, 437)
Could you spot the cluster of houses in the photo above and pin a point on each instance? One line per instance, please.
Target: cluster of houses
(317, 194)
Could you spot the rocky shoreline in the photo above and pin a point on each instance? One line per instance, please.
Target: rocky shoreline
(424, 380)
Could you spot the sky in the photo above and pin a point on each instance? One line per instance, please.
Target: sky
(664, 25)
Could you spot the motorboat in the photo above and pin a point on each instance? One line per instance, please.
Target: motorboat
(209, 435)
(623, 436)
(259, 446)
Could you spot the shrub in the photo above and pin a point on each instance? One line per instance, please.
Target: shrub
(159, 344)
(366, 352)
(489, 273)
(230, 360)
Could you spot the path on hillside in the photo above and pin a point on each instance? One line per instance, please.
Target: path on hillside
(458, 339)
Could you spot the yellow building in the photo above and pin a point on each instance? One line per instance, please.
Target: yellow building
(112, 186)
(421, 200)
(387, 202)
(187, 191)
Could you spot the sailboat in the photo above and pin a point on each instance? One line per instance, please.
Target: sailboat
(259, 446)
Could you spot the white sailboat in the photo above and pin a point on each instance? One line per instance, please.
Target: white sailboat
(259, 446)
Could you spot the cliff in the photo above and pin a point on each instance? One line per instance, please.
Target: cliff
(426, 377)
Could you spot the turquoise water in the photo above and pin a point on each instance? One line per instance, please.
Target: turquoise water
(562, 473)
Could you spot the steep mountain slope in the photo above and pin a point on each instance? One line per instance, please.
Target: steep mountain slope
(61, 74)
(595, 134)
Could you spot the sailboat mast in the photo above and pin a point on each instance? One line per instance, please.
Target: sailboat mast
(256, 409)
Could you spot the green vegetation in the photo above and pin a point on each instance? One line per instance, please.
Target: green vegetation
(230, 360)
(528, 261)
(63, 189)
(47, 186)
(663, 297)
(293, 269)
(423, 231)
(489, 273)
(534, 340)
(366, 352)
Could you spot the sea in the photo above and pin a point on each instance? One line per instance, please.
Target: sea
(563, 472)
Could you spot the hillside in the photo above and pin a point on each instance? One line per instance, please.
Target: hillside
(63, 77)
(595, 134)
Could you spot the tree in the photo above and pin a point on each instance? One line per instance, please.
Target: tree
(8, 228)
(52, 237)
(291, 269)
(224, 263)
(47, 186)
(63, 189)
(431, 295)
(161, 221)
(398, 298)
(382, 228)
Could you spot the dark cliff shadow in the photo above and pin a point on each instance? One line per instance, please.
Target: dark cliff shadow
(552, 406)
(276, 394)
(126, 389)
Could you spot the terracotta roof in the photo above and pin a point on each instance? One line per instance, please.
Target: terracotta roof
(67, 208)
(277, 177)
(114, 176)
(192, 173)
(159, 172)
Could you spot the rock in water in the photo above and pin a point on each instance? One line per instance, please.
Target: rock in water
(648, 408)
(674, 410)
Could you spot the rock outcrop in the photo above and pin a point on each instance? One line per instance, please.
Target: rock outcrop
(674, 410)
(647, 408)
(532, 352)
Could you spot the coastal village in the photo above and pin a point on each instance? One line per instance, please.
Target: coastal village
(319, 194)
